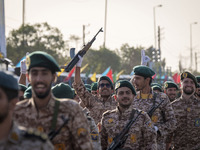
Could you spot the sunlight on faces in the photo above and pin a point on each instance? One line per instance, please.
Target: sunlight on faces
(139, 82)
(188, 86)
(41, 79)
(171, 93)
(124, 97)
(104, 90)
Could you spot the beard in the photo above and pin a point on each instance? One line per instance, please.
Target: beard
(125, 105)
(188, 92)
(4, 115)
(43, 95)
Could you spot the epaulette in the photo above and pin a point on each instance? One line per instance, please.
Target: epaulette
(33, 133)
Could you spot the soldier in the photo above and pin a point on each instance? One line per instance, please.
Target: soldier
(13, 136)
(46, 113)
(197, 92)
(157, 88)
(94, 88)
(22, 89)
(141, 134)
(171, 90)
(63, 90)
(187, 113)
(163, 116)
(97, 105)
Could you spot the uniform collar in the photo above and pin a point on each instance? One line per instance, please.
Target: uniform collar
(127, 112)
(144, 96)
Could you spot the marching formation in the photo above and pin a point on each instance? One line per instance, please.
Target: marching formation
(127, 115)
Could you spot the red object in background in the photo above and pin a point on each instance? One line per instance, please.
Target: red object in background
(176, 78)
(109, 74)
(69, 75)
(154, 76)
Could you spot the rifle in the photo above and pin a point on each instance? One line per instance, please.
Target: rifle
(120, 139)
(81, 53)
(153, 108)
(52, 134)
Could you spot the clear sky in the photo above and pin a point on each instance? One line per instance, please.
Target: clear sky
(128, 21)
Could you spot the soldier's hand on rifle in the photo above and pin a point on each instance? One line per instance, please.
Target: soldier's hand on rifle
(80, 61)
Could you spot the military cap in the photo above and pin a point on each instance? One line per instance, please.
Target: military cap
(143, 71)
(170, 84)
(105, 78)
(198, 78)
(7, 80)
(125, 83)
(88, 86)
(187, 74)
(157, 87)
(94, 86)
(22, 87)
(28, 93)
(157, 84)
(41, 59)
(62, 90)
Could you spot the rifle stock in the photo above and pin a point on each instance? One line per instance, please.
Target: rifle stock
(81, 53)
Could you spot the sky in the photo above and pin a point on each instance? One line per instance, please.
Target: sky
(128, 21)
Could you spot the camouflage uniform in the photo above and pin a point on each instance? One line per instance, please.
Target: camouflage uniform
(142, 135)
(95, 104)
(74, 135)
(20, 139)
(163, 117)
(187, 113)
(94, 133)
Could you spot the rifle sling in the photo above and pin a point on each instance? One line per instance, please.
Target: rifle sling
(55, 115)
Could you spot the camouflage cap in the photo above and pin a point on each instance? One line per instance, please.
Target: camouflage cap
(187, 74)
(198, 79)
(28, 93)
(41, 59)
(156, 87)
(125, 83)
(62, 90)
(143, 71)
(94, 86)
(7, 80)
(22, 87)
(170, 84)
(105, 78)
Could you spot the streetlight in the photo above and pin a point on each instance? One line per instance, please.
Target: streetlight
(191, 43)
(154, 15)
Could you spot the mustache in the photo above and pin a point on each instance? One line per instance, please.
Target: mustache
(125, 98)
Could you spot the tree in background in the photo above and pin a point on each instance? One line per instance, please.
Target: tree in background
(37, 37)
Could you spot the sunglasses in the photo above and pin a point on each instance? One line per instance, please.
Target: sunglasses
(107, 85)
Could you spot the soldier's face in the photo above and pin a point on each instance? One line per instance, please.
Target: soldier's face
(171, 93)
(105, 88)
(4, 106)
(41, 79)
(138, 82)
(124, 97)
(188, 86)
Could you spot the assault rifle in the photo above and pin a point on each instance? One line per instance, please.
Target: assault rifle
(52, 134)
(153, 108)
(120, 139)
(81, 53)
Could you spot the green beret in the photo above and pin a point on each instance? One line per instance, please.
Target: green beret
(124, 83)
(105, 78)
(88, 86)
(94, 86)
(187, 74)
(170, 84)
(157, 84)
(143, 71)
(198, 78)
(62, 90)
(7, 80)
(28, 93)
(22, 87)
(41, 59)
(157, 87)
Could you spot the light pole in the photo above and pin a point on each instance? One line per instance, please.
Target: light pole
(191, 44)
(154, 16)
(105, 22)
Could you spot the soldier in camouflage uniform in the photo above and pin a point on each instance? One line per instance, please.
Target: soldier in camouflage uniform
(142, 134)
(47, 113)
(163, 117)
(197, 92)
(13, 136)
(187, 112)
(63, 90)
(97, 105)
(171, 89)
